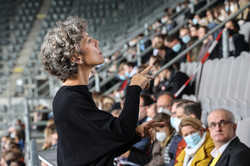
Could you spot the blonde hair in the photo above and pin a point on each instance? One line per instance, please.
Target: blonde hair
(195, 123)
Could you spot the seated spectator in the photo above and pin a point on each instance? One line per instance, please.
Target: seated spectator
(199, 143)
(194, 31)
(176, 45)
(130, 69)
(228, 148)
(212, 23)
(164, 101)
(164, 136)
(138, 154)
(107, 104)
(170, 80)
(38, 117)
(151, 112)
(223, 13)
(237, 42)
(174, 144)
(157, 42)
(188, 41)
(206, 43)
(152, 59)
(11, 155)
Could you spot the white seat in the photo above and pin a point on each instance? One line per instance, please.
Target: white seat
(243, 80)
(215, 78)
(243, 108)
(206, 72)
(197, 79)
(233, 78)
(226, 72)
(243, 131)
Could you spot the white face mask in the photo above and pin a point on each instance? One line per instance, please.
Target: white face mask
(177, 124)
(161, 136)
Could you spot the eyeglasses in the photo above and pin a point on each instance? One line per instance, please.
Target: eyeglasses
(222, 123)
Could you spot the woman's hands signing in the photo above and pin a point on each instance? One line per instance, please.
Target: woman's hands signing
(142, 79)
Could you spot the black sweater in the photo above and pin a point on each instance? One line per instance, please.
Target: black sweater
(89, 136)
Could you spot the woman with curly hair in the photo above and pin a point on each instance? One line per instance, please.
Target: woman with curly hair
(86, 135)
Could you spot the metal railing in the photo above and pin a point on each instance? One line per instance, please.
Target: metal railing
(34, 161)
(183, 53)
(174, 16)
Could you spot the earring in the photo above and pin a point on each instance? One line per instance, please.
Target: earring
(81, 62)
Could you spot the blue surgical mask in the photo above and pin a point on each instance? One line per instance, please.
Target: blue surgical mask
(127, 74)
(121, 77)
(186, 39)
(195, 21)
(12, 135)
(178, 9)
(226, 8)
(172, 121)
(192, 140)
(176, 47)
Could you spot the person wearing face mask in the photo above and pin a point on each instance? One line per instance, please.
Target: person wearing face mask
(164, 136)
(182, 108)
(176, 145)
(237, 42)
(199, 143)
(188, 41)
(138, 153)
(175, 44)
(170, 80)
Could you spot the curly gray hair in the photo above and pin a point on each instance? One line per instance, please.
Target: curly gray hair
(60, 44)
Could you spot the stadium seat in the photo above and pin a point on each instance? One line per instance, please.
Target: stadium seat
(243, 131)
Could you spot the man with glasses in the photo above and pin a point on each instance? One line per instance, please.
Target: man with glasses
(228, 149)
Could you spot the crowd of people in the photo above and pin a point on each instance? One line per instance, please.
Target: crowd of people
(183, 139)
(12, 145)
(166, 47)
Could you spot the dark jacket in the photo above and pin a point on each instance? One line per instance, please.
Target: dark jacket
(89, 136)
(236, 154)
(173, 84)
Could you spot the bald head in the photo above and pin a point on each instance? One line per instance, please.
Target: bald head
(222, 126)
(223, 112)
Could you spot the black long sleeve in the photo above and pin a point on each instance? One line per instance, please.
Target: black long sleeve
(89, 136)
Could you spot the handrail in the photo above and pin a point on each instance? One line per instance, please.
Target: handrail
(173, 31)
(179, 56)
(33, 153)
(150, 48)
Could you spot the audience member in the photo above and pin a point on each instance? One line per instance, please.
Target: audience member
(228, 148)
(164, 100)
(174, 43)
(138, 153)
(170, 80)
(237, 42)
(164, 136)
(199, 143)
(188, 40)
(177, 137)
(152, 111)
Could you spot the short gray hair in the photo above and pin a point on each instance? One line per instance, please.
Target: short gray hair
(60, 44)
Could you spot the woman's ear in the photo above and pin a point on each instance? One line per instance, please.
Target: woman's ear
(76, 59)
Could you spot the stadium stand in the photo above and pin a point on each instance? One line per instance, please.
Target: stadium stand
(219, 83)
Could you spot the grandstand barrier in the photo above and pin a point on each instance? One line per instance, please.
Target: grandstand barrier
(139, 55)
(34, 161)
(182, 54)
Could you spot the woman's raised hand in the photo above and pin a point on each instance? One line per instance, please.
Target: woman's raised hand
(142, 79)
